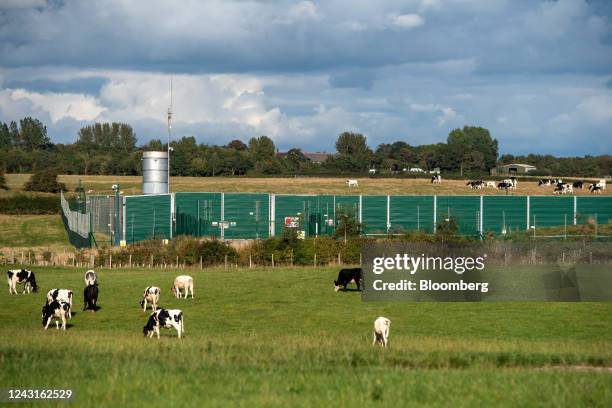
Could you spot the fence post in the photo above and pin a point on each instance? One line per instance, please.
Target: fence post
(273, 259)
(250, 262)
(435, 212)
(291, 257)
(200, 262)
(339, 259)
(110, 261)
(151, 264)
(225, 261)
(315, 260)
(528, 210)
(130, 261)
(222, 233)
(388, 213)
(575, 209)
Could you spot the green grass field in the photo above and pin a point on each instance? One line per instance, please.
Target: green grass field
(32, 231)
(282, 337)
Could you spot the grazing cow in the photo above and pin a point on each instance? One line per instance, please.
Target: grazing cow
(151, 295)
(563, 188)
(346, 276)
(514, 182)
(601, 184)
(63, 295)
(91, 278)
(381, 331)
(352, 183)
(476, 185)
(182, 282)
(545, 182)
(372, 171)
(504, 186)
(489, 184)
(436, 179)
(595, 189)
(169, 318)
(57, 309)
(90, 297)
(578, 184)
(21, 276)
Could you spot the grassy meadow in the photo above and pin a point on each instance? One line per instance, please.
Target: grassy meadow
(33, 231)
(288, 185)
(283, 337)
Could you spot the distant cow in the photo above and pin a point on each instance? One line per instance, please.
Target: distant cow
(578, 184)
(23, 277)
(545, 182)
(91, 278)
(151, 295)
(489, 184)
(56, 309)
(169, 318)
(504, 186)
(437, 179)
(63, 295)
(184, 282)
(90, 297)
(476, 185)
(346, 276)
(594, 188)
(601, 184)
(352, 183)
(563, 188)
(381, 331)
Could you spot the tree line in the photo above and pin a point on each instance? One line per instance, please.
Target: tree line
(112, 149)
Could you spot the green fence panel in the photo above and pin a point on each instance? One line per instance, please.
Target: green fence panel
(147, 217)
(501, 212)
(327, 219)
(198, 214)
(246, 215)
(411, 213)
(290, 208)
(587, 208)
(465, 209)
(549, 211)
(374, 215)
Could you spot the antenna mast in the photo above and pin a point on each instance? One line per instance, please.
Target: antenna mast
(170, 113)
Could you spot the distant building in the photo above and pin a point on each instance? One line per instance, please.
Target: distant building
(318, 157)
(514, 168)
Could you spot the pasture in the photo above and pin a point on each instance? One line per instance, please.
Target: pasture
(131, 185)
(283, 337)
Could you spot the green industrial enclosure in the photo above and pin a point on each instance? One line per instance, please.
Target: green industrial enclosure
(262, 215)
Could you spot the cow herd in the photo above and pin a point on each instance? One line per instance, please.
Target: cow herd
(568, 188)
(507, 184)
(58, 304)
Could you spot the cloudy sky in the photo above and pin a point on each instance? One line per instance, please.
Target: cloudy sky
(538, 74)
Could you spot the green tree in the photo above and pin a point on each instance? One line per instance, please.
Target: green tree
(44, 180)
(237, 145)
(32, 134)
(262, 148)
(461, 142)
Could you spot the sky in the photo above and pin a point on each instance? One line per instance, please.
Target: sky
(537, 74)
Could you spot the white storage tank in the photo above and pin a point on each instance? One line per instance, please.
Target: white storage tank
(155, 172)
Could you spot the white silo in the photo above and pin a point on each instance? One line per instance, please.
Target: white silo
(155, 172)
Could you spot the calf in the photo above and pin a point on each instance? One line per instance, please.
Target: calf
(346, 276)
(184, 282)
(381, 331)
(90, 297)
(151, 294)
(21, 276)
(169, 318)
(57, 309)
(91, 278)
(64, 295)
(352, 183)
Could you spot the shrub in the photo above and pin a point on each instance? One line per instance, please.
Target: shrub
(3, 185)
(44, 180)
(29, 204)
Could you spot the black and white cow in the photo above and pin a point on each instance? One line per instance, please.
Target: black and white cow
(91, 278)
(563, 188)
(151, 295)
(545, 182)
(504, 186)
(578, 184)
(21, 276)
(476, 185)
(436, 179)
(346, 276)
(169, 318)
(64, 295)
(56, 309)
(595, 189)
(90, 297)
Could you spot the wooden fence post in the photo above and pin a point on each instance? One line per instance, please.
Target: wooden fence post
(273, 259)
(201, 262)
(225, 261)
(339, 260)
(130, 261)
(250, 261)
(110, 261)
(315, 260)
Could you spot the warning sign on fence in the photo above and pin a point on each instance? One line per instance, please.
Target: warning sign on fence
(292, 222)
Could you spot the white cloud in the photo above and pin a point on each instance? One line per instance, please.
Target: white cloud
(60, 105)
(406, 21)
(445, 113)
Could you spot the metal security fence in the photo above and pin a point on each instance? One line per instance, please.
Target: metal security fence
(77, 225)
(254, 216)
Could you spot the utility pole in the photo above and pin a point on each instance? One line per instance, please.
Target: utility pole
(170, 113)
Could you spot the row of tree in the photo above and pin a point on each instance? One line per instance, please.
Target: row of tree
(112, 148)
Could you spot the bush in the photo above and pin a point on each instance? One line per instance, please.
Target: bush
(3, 185)
(45, 180)
(29, 204)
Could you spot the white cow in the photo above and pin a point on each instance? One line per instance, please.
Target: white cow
(601, 184)
(437, 179)
(169, 318)
(490, 184)
(91, 278)
(183, 282)
(151, 295)
(381, 331)
(352, 183)
(56, 309)
(21, 276)
(63, 295)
